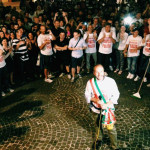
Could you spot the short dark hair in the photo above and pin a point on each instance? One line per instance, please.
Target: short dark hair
(107, 24)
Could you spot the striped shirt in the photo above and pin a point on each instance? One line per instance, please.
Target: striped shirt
(22, 50)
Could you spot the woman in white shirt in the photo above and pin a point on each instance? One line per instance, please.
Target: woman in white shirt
(121, 39)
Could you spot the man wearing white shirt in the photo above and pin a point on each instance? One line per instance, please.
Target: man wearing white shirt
(77, 45)
(45, 45)
(90, 38)
(133, 46)
(106, 40)
(110, 92)
(144, 58)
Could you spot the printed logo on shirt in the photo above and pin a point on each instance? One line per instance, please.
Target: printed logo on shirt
(107, 43)
(91, 43)
(147, 48)
(133, 45)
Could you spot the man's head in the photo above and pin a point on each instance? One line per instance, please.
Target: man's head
(76, 34)
(107, 27)
(99, 72)
(123, 28)
(62, 35)
(57, 24)
(42, 29)
(138, 15)
(90, 28)
(135, 32)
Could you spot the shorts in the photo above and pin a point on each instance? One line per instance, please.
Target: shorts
(76, 61)
(46, 61)
(63, 58)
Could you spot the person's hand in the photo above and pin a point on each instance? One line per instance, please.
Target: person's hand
(64, 14)
(28, 41)
(80, 24)
(104, 106)
(21, 42)
(56, 14)
(50, 32)
(47, 41)
(10, 49)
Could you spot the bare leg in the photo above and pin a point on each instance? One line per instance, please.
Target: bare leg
(78, 69)
(73, 72)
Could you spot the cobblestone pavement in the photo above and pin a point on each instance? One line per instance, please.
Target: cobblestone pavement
(42, 116)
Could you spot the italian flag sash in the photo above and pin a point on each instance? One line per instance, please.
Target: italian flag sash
(108, 114)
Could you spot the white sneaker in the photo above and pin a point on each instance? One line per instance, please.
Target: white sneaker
(69, 76)
(62, 74)
(111, 68)
(48, 80)
(79, 75)
(137, 78)
(3, 94)
(145, 79)
(131, 76)
(10, 90)
(72, 79)
(128, 76)
(148, 85)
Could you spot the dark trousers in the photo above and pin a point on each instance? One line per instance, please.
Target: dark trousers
(142, 65)
(3, 79)
(104, 59)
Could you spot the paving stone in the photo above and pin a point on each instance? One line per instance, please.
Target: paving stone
(55, 116)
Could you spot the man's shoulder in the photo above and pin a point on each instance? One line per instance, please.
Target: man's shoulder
(109, 79)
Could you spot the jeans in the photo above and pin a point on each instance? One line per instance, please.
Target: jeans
(132, 64)
(120, 60)
(88, 55)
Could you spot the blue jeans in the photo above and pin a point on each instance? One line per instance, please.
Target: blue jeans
(132, 64)
(88, 55)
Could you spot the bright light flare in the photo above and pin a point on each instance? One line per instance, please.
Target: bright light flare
(128, 20)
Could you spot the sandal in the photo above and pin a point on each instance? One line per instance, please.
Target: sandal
(116, 70)
(120, 72)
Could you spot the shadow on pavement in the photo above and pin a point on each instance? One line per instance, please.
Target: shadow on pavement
(11, 131)
(22, 111)
(17, 96)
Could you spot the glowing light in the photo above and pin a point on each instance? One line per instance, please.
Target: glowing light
(128, 20)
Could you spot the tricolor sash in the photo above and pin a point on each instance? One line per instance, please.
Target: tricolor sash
(108, 114)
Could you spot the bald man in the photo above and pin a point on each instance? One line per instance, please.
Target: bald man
(101, 101)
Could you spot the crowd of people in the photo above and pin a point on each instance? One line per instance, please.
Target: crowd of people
(50, 39)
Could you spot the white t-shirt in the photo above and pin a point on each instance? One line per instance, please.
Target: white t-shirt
(2, 60)
(106, 46)
(146, 49)
(122, 43)
(91, 45)
(47, 50)
(134, 42)
(81, 43)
